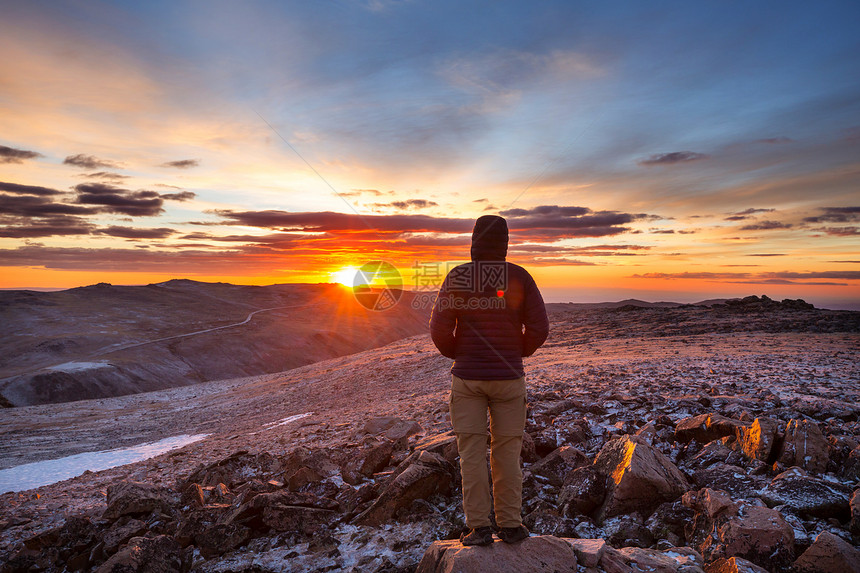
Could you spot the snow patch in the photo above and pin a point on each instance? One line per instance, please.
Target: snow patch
(37, 474)
(282, 422)
(80, 366)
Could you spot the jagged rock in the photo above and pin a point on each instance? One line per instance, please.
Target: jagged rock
(68, 545)
(582, 492)
(757, 440)
(808, 495)
(758, 534)
(639, 477)
(204, 529)
(160, 554)
(120, 533)
(543, 521)
(285, 511)
(528, 453)
(192, 496)
(805, 446)
(712, 503)
(668, 522)
(236, 468)
(732, 479)
(716, 451)
(376, 457)
(851, 469)
(829, 554)
(301, 478)
(705, 428)
(319, 461)
(627, 531)
(559, 463)
(634, 559)
(534, 554)
(128, 497)
(588, 551)
(733, 565)
(425, 475)
(444, 445)
(854, 525)
(391, 427)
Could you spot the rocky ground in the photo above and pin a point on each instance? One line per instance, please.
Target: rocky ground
(670, 439)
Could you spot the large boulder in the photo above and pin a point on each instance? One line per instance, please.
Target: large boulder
(285, 511)
(757, 441)
(426, 474)
(131, 498)
(391, 427)
(236, 468)
(730, 478)
(706, 427)
(638, 477)
(533, 555)
(805, 446)
(808, 495)
(829, 554)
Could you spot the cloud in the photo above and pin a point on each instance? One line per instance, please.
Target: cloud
(407, 204)
(12, 155)
(836, 215)
(90, 162)
(766, 255)
(775, 140)
(672, 158)
(46, 227)
(554, 222)
(116, 200)
(783, 277)
(107, 175)
(766, 226)
(181, 196)
(182, 163)
(360, 192)
(28, 206)
(331, 221)
(745, 214)
(135, 233)
(27, 189)
(840, 231)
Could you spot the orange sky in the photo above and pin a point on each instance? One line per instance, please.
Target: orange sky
(686, 160)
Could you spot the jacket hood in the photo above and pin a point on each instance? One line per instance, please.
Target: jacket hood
(490, 239)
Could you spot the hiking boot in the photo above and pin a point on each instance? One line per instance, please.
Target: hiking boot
(513, 534)
(478, 536)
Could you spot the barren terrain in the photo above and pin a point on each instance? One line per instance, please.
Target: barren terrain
(603, 374)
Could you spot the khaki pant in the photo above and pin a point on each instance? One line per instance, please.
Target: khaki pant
(506, 402)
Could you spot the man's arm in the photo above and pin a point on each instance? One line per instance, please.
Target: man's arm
(443, 322)
(534, 319)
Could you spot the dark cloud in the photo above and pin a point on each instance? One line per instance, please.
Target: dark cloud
(555, 222)
(106, 175)
(745, 214)
(181, 196)
(27, 189)
(673, 158)
(133, 233)
(784, 277)
(836, 215)
(331, 221)
(482, 200)
(766, 255)
(182, 163)
(766, 226)
(662, 231)
(408, 204)
(46, 227)
(840, 231)
(28, 206)
(90, 162)
(12, 155)
(116, 200)
(547, 211)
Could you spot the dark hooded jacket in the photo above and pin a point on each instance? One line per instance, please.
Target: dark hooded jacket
(489, 313)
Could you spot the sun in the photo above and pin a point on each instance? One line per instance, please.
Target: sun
(345, 276)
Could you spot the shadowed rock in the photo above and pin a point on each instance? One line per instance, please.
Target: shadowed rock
(559, 463)
(638, 477)
(854, 525)
(734, 565)
(808, 495)
(583, 491)
(159, 554)
(805, 446)
(705, 428)
(128, 497)
(425, 475)
(829, 554)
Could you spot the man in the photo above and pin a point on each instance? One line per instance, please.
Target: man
(489, 314)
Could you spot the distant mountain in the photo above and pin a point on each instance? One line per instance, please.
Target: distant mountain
(104, 340)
